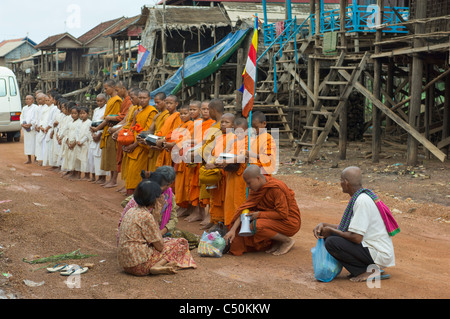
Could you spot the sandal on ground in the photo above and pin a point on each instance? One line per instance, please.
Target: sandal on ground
(75, 270)
(58, 267)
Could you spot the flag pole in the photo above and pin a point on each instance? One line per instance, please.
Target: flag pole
(254, 92)
(255, 29)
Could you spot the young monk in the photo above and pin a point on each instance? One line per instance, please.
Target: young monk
(171, 123)
(217, 194)
(122, 92)
(174, 145)
(203, 193)
(275, 216)
(137, 153)
(190, 166)
(263, 148)
(107, 144)
(155, 128)
(126, 124)
(236, 189)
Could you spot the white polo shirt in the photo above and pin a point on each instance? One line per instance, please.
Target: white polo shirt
(367, 221)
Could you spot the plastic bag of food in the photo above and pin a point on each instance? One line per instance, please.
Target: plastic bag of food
(211, 245)
(326, 267)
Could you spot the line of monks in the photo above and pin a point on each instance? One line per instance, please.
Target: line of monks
(208, 148)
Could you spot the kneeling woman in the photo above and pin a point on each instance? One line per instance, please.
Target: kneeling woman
(142, 249)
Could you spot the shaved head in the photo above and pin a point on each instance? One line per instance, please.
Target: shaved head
(352, 175)
(241, 122)
(230, 116)
(253, 171)
(254, 178)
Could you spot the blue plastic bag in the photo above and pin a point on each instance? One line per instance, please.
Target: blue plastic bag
(326, 267)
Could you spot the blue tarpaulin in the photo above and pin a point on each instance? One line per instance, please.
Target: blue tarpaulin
(202, 64)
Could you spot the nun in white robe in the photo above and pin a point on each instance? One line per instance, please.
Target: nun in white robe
(48, 146)
(29, 135)
(95, 152)
(83, 137)
(43, 124)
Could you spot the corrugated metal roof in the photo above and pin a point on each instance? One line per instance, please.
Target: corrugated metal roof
(9, 46)
(52, 40)
(98, 30)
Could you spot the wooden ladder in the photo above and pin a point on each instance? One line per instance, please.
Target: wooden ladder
(330, 112)
(286, 73)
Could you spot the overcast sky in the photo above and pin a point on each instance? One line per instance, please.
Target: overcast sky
(40, 19)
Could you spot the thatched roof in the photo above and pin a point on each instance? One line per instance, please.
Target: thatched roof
(180, 17)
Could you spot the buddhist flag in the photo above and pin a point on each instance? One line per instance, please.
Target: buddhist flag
(249, 75)
(142, 57)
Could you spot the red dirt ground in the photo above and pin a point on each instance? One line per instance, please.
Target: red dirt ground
(50, 215)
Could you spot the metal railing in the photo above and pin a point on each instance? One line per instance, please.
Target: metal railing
(358, 18)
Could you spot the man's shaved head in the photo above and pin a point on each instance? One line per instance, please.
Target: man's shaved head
(352, 174)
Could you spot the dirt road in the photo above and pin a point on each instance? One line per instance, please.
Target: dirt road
(50, 215)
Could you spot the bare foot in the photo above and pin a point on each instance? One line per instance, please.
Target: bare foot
(205, 221)
(167, 269)
(195, 216)
(284, 247)
(27, 162)
(110, 185)
(361, 278)
(275, 246)
(182, 212)
(207, 226)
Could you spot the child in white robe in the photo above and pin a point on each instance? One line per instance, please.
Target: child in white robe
(29, 134)
(70, 154)
(36, 125)
(48, 146)
(62, 134)
(95, 152)
(43, 128)
(56, 128)
(83, 141)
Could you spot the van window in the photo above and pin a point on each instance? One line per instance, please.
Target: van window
(2, 87)
(12, 86)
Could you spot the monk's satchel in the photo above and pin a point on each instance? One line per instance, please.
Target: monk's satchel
(126, 135)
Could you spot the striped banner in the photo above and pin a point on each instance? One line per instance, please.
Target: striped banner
(249, 75)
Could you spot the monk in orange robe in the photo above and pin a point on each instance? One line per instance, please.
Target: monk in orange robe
(217, 194)
(274, 214)
(176, 145)
(155, 129)
(236, 188)
(107, 144)
(189, 164)
(172, 122)
(122, 91)
(137, 153)
(213, 110)
(126, 124)
(263, 150)
(206, 125)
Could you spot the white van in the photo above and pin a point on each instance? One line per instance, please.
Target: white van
(10, 105)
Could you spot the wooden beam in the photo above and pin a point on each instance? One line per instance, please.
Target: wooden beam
(397, 119)
(444, 143)
(435, 47)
